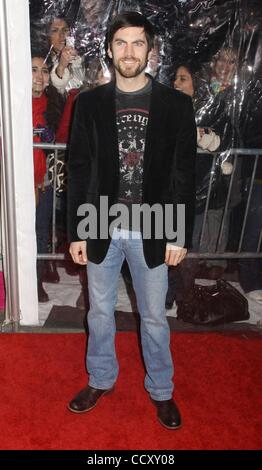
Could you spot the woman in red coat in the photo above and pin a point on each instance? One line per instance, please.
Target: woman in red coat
(47, 107)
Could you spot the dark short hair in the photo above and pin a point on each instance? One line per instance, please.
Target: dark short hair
(127, 19)
(193, 70)
(38, 51)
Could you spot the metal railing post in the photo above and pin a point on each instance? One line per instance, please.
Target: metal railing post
(9, 206)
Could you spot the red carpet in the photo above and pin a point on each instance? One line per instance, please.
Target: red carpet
(219, 391)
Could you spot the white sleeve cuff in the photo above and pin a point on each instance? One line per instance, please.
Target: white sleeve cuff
(173, 247)
(60, 83)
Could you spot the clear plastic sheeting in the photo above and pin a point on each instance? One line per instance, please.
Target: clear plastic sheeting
(211, 50)
(221, 40)
(86, 23)
(217, 42)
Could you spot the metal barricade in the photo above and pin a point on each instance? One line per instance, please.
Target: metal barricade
(55, 148)
(255, 154)
(235, 154)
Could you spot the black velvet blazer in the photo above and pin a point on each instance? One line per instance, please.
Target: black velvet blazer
(169, 161)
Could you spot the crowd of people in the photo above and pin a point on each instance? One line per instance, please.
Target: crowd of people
(224, 120)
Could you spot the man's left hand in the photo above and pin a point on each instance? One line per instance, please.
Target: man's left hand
(174, 255)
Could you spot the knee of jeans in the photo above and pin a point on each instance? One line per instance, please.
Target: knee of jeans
(99, 308)
(153, 314)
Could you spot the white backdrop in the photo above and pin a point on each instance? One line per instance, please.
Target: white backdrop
(21, 111)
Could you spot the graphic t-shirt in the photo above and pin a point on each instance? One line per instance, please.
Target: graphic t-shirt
(132, 111)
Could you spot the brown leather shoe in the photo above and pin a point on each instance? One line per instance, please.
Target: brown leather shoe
(168, 414)
(86, 399)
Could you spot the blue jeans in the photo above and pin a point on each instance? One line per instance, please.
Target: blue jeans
(44, 212)
(150, 287)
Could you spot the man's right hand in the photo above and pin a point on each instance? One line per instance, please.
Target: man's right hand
(78, 252)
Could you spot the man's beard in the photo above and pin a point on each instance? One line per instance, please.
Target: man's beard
(130, 71)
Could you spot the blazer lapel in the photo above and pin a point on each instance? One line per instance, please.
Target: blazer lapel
(107, 122)
(156, 123)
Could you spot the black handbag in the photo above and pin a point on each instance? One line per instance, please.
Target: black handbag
(213, 305)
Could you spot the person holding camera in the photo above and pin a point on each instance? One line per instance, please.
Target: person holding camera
(68, 69)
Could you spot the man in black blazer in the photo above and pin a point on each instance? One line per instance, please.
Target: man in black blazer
(132, 145)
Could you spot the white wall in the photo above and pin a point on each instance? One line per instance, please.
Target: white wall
(21, 104)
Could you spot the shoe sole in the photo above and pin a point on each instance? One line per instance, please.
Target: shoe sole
(107, 392)
(171, 428)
